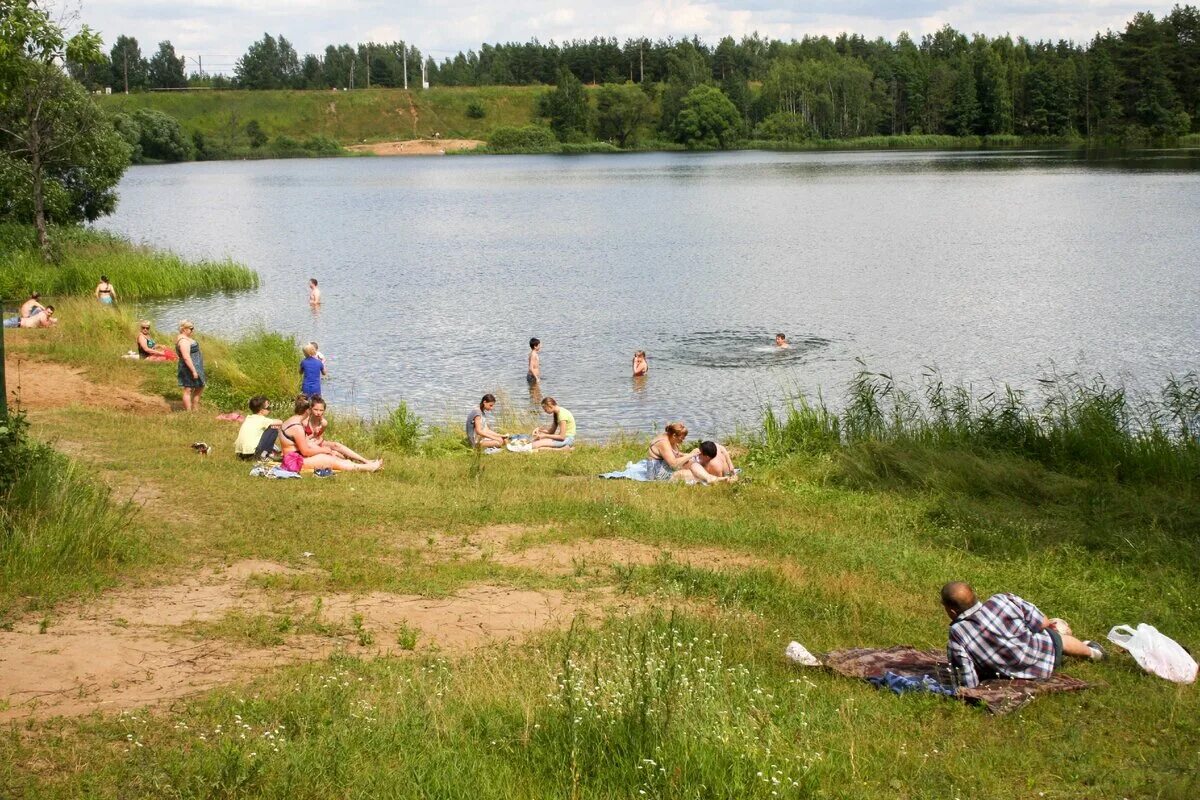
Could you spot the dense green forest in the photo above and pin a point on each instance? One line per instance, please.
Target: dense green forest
(1139, 82)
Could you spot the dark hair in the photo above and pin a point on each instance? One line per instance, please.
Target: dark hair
(487, 398)
(534, 342)
(709, 449)
(313, 281)
(781, 336)
(257, 402)
(549, 401)
(316, 399)
(49, 307)
(104, 278)
(303, 403)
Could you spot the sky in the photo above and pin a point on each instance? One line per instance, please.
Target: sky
(221, 30)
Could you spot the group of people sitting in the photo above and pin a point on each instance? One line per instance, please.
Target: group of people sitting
(298, 441)
(558, 435)
(33, 314)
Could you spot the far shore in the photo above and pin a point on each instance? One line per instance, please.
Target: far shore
(416, 147)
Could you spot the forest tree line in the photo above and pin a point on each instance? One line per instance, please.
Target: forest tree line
(1141, 81)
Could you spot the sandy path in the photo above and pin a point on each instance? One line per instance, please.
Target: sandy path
(41, 385)
(129, 648)
(416, 147)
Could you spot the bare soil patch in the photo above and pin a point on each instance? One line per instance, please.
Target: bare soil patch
(130, 647)
(416, 147)
(42, 385)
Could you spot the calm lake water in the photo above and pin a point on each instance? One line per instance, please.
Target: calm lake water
(436, 271)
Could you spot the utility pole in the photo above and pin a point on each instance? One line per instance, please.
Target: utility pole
(368, 65)
(200, 61)
(352, 64)
(405, 51)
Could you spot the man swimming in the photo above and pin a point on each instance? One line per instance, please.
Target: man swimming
(781, 341)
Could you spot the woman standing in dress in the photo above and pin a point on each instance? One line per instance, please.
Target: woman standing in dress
(191, 366)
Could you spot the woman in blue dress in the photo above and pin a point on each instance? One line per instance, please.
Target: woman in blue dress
(191, 366)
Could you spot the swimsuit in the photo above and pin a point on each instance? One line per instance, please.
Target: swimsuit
(106, 295)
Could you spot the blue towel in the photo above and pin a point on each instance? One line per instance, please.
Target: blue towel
(901, 684)
(12, 322)
(648, 469)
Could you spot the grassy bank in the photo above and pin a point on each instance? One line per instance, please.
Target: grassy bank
(82, 256)
(847, 526)
(363, 115)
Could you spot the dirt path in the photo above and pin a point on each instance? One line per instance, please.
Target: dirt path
(416, 147)
(42, 385)
(140, 646)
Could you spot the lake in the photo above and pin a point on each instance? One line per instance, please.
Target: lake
(436, 271)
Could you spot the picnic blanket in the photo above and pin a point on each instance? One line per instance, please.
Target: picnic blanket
(999, 695)
(648, 469)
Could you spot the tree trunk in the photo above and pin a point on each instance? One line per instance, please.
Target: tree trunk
(39, 196)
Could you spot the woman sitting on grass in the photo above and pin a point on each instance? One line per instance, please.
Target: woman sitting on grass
(314, 428)
(478, 432)
(665, 460)
(147, 348)
(299, 452)
(560, 434)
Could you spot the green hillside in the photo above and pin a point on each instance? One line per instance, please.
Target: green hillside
(370, 115)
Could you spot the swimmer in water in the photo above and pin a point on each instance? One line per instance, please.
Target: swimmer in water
(314, 294)
(781, 341)
(640, 367)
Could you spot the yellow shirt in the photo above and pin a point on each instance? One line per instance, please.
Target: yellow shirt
(566, 422)
(250, 432)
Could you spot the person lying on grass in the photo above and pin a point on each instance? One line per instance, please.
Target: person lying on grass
(299, 452)
(1005, 637)
(712, 465)
(478, 432)
(39, 319)
(560, 433)
(258, 434)
(315, 424)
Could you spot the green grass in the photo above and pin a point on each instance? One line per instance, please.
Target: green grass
(83, 255)
(848, 524)
(363, 115)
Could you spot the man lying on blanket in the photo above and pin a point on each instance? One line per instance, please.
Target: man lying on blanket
(1005, 637)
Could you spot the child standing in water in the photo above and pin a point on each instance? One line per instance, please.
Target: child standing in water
(781, 341)
(534, 372)
(640, 367)
(314, 294)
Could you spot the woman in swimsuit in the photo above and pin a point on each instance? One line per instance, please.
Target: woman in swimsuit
(314, 428)
(105, 292)
(666, 462)
(191, 366)
(299, 452)
(31, 306)
(147, 349)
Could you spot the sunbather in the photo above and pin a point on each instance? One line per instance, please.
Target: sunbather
(1005, 637)
(560, 433)
(148, 349)
(299, 452)
(478, 432)
(712, 465)
(314, 427)
(258, 434)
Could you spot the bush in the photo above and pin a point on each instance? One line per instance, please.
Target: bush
(255, 134)
(475, 110)
(162, 139)
(400, 430)
(707, 120)
(527, 139)
(783, 127)
(322, 145)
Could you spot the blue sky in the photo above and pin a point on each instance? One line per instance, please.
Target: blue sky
(220, 30)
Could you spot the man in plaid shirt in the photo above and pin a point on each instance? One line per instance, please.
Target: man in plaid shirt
(1005, 637)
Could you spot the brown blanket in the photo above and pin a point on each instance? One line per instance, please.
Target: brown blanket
(999, 695)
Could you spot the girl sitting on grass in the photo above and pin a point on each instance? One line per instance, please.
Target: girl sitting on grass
(299, 452)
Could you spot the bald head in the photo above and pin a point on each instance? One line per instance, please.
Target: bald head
(957, 597)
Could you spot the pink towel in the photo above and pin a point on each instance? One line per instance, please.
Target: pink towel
(232, 416)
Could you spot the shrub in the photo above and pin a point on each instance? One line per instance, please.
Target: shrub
(322, 145)
(400, 430)
(162, 139)
(475, 110)
(255, 134)
(783, 127)
(527, 139)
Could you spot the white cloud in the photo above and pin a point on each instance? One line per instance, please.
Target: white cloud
(221, 30)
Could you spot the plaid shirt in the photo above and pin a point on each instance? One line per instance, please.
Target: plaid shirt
(1006, 635)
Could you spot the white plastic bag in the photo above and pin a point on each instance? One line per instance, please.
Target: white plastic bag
(798, 654)
(1155, 652)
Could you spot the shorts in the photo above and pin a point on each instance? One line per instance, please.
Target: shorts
(530, 377)
(567, 442)
(106, 299)
(1056, 637)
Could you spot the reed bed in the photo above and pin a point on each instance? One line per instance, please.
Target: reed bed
(83, 255)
